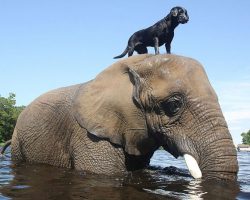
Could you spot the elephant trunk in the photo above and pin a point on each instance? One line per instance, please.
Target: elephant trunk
(206, 145)
(216, 160)
(217, 156)
(215, 152)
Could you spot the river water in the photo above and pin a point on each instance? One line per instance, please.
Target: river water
(166, 178)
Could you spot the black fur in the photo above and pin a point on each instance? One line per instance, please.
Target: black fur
(155, 36)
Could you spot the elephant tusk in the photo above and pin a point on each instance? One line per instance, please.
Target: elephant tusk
(192, 165)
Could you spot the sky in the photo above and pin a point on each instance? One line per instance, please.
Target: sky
(47, 44)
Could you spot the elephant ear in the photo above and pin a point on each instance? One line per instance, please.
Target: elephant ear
(106, 108)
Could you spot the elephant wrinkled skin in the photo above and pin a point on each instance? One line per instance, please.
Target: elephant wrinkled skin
(114, 123)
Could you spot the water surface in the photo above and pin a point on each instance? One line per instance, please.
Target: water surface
(166, 178)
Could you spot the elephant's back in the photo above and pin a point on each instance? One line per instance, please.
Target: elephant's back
(64, 95)
(57, 100)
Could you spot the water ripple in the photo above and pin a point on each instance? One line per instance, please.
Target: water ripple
(167, 177)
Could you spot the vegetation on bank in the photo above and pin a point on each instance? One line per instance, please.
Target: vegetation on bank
(9, 113)
(246, 138)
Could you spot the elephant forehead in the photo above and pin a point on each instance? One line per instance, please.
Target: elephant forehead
(167, 65)
(178, 66)
(181, 75)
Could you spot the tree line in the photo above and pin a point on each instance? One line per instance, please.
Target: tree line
(9, 113)
(246, 137)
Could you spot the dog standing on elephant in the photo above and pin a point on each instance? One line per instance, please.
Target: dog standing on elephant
(155, 36)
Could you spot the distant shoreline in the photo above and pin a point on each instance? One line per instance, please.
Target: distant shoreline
(243, 147)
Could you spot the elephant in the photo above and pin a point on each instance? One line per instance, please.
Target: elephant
(114, 123)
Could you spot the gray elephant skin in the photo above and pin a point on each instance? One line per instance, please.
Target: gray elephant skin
(114, 123)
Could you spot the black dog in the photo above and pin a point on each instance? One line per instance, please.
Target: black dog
(160, 33)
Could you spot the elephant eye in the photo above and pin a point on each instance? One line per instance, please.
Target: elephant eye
(173, 105)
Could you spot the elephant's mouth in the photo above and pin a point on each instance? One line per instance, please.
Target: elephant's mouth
(191, 162)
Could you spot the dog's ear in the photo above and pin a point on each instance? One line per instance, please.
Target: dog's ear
(174, 12)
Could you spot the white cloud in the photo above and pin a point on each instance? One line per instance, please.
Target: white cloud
(236, 116)
(234, 98)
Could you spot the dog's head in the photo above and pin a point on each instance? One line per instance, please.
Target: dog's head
(180, 14)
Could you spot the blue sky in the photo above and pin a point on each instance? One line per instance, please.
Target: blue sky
(47, 44)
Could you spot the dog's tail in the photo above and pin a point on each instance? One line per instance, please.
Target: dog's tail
(123, 54)
(8, 143)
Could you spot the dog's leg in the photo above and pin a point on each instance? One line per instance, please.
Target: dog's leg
(141, 49)
(130, 51)
(168, 43)
(156, 45)
(168, 48)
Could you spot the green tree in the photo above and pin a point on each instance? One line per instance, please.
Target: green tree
(246, 137)
(8, 116)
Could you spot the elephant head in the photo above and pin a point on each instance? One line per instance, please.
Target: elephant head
(146, 101)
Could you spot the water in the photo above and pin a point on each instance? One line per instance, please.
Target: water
(160, 181)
